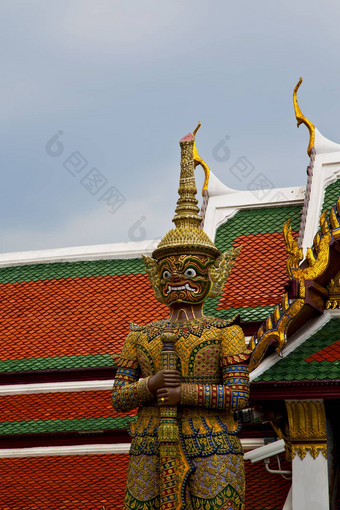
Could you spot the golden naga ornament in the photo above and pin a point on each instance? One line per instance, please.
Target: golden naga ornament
(301, 270)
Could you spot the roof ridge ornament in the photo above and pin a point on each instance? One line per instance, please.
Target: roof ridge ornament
(301, 119)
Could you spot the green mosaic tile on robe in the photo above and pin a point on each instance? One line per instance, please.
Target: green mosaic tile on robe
(58, 270)
(295, 368)
(81, 425)
(56, 363)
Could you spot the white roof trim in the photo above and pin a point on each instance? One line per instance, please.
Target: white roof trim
(222, 207)
(57, 387)
(299, 338)
(93, 449)
(325, 165)
(323, 145)
(97, 252)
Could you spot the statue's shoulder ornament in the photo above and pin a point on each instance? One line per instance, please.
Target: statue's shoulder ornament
(182, 329)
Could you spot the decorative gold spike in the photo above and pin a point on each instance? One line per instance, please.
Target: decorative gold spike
(285, 302)
(338, 206)
(333, 219)
(269, 323)
(260, 332)
(316, 242)
(295, 253)
(276, 314)
(301, 119)
(310, 257)
(324, 223)
(252, 343)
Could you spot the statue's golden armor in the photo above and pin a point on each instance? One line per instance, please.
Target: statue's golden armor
(212, 361)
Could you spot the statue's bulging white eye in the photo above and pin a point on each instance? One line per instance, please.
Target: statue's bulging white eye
(190, 272)
(166, 275)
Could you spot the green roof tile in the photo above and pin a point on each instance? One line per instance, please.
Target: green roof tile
(258, 313)
(295, 367)
(265, 220)
(56, 363)
(332, 193)
(80, 269)
(81, 424)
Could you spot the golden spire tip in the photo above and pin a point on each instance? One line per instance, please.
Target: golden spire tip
(196, 129)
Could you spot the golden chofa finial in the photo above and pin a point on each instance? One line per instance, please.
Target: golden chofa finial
(301, 119)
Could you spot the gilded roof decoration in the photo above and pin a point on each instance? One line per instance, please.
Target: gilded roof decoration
(274, 330)
(301, 119)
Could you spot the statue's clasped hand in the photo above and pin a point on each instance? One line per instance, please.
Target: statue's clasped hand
(166, 385)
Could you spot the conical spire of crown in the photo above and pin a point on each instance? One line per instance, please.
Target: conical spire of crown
(187, 210)
(187, 237)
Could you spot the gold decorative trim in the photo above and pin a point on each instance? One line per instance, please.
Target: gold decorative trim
(317, 258)
(301, 119)
(274, 329)
(307, 428)
(333, 288)
(301, 450)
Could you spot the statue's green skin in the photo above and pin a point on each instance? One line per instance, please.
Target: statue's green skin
(184, 285)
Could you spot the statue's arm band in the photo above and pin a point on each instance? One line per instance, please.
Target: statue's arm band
(128, 395)
(232, 395)
(214, 396)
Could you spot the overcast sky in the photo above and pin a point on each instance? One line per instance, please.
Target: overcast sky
(96, 94)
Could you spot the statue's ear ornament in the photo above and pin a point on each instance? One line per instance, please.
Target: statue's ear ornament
(154, 278)
(220, 270)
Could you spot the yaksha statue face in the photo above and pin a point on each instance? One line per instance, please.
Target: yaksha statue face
(184, 278)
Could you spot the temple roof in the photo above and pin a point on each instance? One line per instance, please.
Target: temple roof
(71, 314)
(60, 412)
(315, 357)
(257, 280)
(89, 482)
(64, 310)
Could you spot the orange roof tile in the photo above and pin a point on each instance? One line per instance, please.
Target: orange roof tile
(73, 316)
(79, 482)
(259, 272)
(90, 482)
(266, 491)
(59, 406)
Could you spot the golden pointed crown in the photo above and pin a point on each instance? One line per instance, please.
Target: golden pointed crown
(188, 236)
